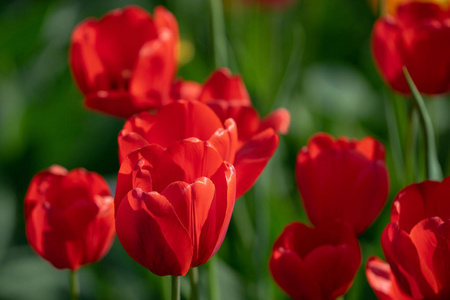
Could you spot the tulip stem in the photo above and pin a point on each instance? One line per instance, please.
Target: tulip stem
(213, 285)
(218, 33)
(175, 287)
(395, 137)
(193, 276)
(433, 169)
(411, 152)
(74, 285)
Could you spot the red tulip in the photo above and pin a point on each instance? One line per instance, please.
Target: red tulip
(342, 179)
(173, 205)
(416, 243)
(228, 97)
(125, 62)
(69, 217)
(185, 119)
(417, 37)
(316, 263)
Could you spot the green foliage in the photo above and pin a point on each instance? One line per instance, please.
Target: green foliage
(312, 58)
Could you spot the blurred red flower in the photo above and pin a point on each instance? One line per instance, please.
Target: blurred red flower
(185, 119)
(417, 37)
(416, 244)
(342, 179)
(69, 216)
(125, 62)
(173, 205)
(316, 263)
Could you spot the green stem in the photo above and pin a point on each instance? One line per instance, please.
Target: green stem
(433, 169)
(74, 285)
(175, 287)
(410, 150)
(166, 287)
(395, 138)
(193, 276)
(218, 33)
(213, 286)
(288, 82)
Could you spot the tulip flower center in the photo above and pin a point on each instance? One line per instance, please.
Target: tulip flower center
(122, 82)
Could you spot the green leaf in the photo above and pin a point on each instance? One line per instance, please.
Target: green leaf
(433, 169)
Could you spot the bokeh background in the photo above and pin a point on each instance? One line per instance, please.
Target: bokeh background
(312, 57)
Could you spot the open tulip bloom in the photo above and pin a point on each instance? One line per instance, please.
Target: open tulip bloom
(315, 263)
(185, 119)
(227, 95)
(417, 36)
(69, 217)
(125, 62)
(342, 179)
(416, 245)
(174, 204)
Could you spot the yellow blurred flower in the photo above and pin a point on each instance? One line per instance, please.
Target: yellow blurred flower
(186, 51)
(390, 6)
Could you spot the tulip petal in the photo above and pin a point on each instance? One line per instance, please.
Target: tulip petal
(185, 90)
(299, 238)
(181, 120)
(40, 185)
(385, 48)
(372, 184)
(117, 48)
(403, 258)
(382, 281)
(251, 159)
(334, 267)
(117, 103)
(128, 142)
(416, 12)
(293, 276)
(410, 205)
(179, 196)
(216, 225)
(100, 234)
(192, 203)
(150, 154)
(225, 141)
(50, 242)
(420, 201)
(132, 136)
(154, 231)
(379, 277)
(279, 120)
(246, 117)
(424, 52)
(223, 86)
(154, 71)
(371, 148)
(86, 66)
(431, 238)
(185, 161)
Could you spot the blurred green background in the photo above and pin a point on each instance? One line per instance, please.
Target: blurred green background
(312, 58)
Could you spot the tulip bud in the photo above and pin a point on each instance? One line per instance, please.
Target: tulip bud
(69, 217)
